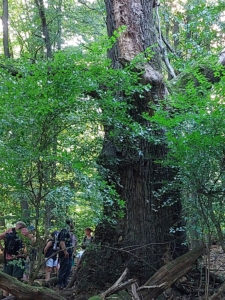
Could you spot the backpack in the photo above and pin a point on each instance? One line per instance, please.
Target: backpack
(68, 242)
(55, 242)
(13, 243)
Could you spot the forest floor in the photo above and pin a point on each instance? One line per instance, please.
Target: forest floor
(199, 283)
(203, 280)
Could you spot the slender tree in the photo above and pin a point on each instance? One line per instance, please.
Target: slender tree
(5, 19)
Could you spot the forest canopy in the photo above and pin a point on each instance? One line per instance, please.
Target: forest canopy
(112, 115)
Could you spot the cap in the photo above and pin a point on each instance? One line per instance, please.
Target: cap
(31, 227)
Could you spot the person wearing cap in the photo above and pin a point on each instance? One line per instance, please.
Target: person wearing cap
(13, 269)
(32, 229)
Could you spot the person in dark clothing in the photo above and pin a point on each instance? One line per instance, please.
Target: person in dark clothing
(65, 258)
(11, 267)
(50, 256)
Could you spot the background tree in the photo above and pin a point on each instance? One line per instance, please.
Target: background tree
(5, 26)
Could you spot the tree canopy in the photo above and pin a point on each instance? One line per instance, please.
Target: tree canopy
(73, 119)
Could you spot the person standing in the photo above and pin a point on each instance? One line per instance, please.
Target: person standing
(50, 253)
(87, 240)
(15, 250)
(73, 239)
(65, 257)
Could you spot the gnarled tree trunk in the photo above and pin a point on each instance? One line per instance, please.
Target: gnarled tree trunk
(142, 241)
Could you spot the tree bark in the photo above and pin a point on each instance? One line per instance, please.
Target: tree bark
(143, 238)
(26, 292)
(5, 25)
(161, 280)
(45, 30)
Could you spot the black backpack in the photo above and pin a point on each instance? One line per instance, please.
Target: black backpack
(13, 243)
(68, 242)
(55, 242)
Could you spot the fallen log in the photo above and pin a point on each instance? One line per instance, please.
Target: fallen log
(26, 292)
(160, 281)
(169, 274)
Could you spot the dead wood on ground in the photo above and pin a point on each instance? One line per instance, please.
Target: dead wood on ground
(169, 274)
(160, 281)
(26, 292)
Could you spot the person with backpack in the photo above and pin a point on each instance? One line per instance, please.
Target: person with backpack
(65, 256)
(15, 250)
(50, 253)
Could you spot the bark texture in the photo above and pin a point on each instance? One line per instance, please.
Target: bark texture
(142, 241)
(5, 25)
(160, 281)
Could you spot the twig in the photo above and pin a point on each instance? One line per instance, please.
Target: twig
(122, 250)
(134, 291)
(118, 285)
(150, 286)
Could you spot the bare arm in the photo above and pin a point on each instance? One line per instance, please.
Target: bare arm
(48, 245)
(63, 247)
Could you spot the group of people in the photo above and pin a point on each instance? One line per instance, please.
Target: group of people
(15, 250)
(59, 251)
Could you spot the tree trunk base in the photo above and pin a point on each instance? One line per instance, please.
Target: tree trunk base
(158, 283)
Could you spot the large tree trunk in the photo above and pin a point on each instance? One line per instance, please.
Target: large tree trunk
(163, 279)
(142, 241)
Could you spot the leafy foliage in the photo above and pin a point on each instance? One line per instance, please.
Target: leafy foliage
(193, 125)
